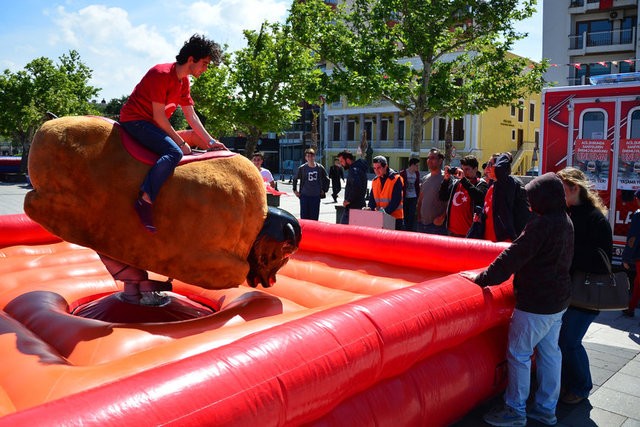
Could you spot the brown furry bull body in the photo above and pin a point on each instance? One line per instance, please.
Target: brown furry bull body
(207, 214)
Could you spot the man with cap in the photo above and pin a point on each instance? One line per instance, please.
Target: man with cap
(386, 191)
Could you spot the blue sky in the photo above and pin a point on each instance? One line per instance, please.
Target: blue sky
(120, 40)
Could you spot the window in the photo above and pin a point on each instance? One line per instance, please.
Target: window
(513, 111)
(351, 130)
(401, 129)
(521, 111)
(598, 33)
(384, 130)
(626, 67)
(368, 128)
(626, 29)
(336, 130)
(513, 134)
(634, 126)
(458, 130)
(457, 133)
(588, 70)
(532, 111)
(593, 125)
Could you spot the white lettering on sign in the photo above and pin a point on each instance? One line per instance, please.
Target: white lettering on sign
(627, 220)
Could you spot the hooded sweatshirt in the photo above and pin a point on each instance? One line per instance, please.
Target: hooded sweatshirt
(510, 207)
(541, 256)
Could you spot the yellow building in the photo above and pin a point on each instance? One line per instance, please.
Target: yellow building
(509, 128)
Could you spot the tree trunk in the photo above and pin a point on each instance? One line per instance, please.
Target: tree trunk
(417, 123)
(448, 142)
(250, 146)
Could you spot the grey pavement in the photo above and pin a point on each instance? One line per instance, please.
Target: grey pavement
(612, 341)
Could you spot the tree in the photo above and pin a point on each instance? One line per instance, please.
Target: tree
(261, 87)
(42, 87)
(113, 107)
(429, 58)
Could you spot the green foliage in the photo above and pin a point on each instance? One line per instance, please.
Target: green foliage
(113, 107)
(260, 88)
(27, 95)
(427, 57)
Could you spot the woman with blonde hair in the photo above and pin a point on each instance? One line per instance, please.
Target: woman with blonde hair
(592, 232)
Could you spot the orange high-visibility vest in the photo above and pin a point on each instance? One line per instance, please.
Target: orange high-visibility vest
(383, 195)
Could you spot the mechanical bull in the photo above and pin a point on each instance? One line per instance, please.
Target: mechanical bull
(214, 229)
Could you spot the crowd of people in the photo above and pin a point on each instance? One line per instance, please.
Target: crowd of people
(454, 201)
(557, 224)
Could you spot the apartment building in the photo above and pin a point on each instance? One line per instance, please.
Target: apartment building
(584, 38)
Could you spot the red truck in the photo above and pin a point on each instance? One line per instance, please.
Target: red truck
(597, 128)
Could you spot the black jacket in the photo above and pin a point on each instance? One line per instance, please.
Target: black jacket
(591, 231)
(355, 190)
(476, 192)
(541, 256)
(510, 205)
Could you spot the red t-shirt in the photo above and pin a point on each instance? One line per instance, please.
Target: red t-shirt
(160, 84)
(489, 229)
(460, 211)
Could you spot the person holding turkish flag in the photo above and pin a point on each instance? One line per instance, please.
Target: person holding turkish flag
(464, 190)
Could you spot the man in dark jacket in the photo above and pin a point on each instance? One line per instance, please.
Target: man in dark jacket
(540, 258)
(506, 210)
(355, 189)
(336, 175)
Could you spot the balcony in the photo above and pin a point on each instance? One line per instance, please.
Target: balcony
(582, 6)
(602, 42)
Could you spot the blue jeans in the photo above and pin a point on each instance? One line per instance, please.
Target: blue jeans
(432, 229)
(155, 139)
(576, 376)
(309, 207)
(529, 331)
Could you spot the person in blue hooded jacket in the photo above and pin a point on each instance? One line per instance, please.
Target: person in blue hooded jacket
(540, 260)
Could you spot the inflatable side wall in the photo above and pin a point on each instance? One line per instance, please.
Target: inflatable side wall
(364, 327)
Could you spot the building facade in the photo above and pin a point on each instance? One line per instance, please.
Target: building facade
(584, 38)
(387, 131)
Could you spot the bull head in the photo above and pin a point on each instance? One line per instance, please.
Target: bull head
(276, 242)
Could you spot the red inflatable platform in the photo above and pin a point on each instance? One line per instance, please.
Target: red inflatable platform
(363, 327)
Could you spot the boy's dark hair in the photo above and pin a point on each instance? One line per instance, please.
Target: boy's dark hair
(346, 154)
(469, 161)
(382, 160)
(437, 153)
(199, 47)
(413, 161)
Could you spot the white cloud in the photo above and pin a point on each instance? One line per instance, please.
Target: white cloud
(121, 43)
(226, 19)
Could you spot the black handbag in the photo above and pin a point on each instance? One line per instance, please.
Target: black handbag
(600, 291)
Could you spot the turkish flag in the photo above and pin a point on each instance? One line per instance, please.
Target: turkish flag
(606, 4)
